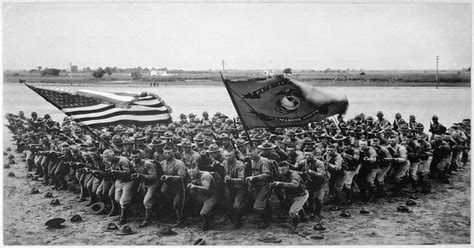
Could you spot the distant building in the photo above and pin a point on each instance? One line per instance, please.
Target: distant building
(74, 68)
(161, 73)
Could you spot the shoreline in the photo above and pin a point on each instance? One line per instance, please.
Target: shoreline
(214, 83)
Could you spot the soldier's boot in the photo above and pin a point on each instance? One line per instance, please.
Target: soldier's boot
(264, 223)
(317, 208)
(414, 185)
(425, 186)
(207, 218)
(94, 199)
(268, 212)
(303, 217)
(180, 222)
(443, 178)
(380, 192)
(371, 194)
(63, 183)
(147, 220)
(294, 224)
(114, 209)
(397, 191)
(83, 194)
(237, 218)
(348, 193)
(123, 215)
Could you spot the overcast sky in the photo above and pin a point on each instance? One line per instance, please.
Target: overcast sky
(246, 36)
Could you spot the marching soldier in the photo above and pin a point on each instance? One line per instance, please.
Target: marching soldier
(259, 185)
(235, 190)
(145, 173)
(174, 176)
(294, 190)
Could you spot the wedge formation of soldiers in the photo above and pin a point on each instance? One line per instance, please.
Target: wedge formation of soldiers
(209, 163)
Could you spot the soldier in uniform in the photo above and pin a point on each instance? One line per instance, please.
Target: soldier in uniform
(235, 190)
(294, 190)
(350, 166)
(259, 185)
(145, 172)
(174, 176)
(439, 164)
(381, 123)
(125, 188)
(333, 162)
(400, 163)
(383, 163)
(203, 189)
(368, 170)
(436, 127)
(189, 156)
(317, 183)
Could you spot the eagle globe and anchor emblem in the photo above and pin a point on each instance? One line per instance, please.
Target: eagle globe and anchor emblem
(288, 103)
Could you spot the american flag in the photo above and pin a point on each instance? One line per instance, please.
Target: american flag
(97, 109)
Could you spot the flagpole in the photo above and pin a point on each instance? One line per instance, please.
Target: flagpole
(238, 112)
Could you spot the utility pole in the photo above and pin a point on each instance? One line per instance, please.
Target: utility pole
(437, 62)
(223, 65)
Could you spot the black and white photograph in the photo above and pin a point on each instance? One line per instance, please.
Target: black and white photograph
(244, 123)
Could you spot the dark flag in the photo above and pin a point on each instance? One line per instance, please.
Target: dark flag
(97, 109)
(281, 102)
(21, 81)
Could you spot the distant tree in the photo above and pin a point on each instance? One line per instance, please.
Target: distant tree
(108, 71)
(468, 69)
(287, 71)
(50, 72)
(39, 68)
(327, 70)
(99, 73)
(136, 75)
(362, 73)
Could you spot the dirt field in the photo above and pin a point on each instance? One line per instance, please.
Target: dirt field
(442, 217)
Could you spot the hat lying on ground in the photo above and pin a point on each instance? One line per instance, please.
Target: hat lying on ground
(410, 203)
(167, 231)
(6, 166)
(110, 227)
(55, 202)
(48, 195)
(76, 218)
(200, 241)
(364, 211)
(403, 209)
(319, 227)
(55, 223)
(34, 191)
(11, 174)
(126, 230)
(97, 208)
(345, 214)
(269, 237)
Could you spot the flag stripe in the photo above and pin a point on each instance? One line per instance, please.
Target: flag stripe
(113, 110)
(79, 112)
(86, 108)
(120, 112)
(145, 118)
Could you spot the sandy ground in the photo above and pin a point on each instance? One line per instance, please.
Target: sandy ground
(442, 217)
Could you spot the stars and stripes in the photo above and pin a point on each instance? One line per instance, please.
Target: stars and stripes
(97, 109)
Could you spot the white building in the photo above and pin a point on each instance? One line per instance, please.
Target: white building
(161, 73)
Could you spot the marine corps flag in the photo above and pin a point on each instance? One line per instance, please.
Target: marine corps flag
(93, 109)
(281, 102)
